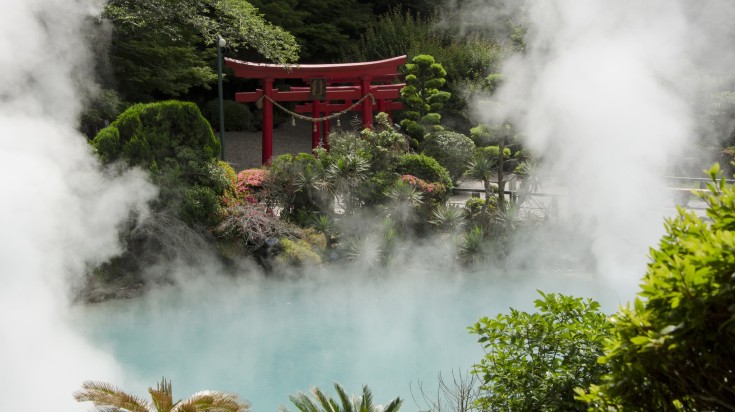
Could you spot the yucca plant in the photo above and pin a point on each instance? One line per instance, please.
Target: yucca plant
(528, 172)
(364, 250)
(346, 403)
(405, 200)
(448, 218)
(472, 246)
(107, 397)
(313, 181)
(482, 168)
(345, 174)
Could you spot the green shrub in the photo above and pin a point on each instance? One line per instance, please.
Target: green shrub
(238, 116)
(452, 150)
(380, 145)
(372, 192)
(146, 134)
(174, 142)
(293, 183)
(200, 205)
(475, 215)
(297, 252)
(424, 167)
(534, 361)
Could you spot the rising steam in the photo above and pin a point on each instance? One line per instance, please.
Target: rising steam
(603, 93)
(59, 212)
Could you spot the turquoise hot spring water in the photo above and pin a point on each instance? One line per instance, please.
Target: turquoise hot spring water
(265, 340)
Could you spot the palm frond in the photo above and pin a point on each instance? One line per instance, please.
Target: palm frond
(327, 404)
(345, 398)
(106, 396)
(366, 403)
(162, 396)
(303, 402)
(211, 401)
(394, 405)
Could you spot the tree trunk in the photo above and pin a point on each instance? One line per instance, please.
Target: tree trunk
(488, 194)
(501, 176)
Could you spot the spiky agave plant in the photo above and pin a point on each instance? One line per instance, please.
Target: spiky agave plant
(448, 218)
(107, 397)
(323, 403)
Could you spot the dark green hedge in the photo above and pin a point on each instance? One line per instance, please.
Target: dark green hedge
(238, 116)
(145, 134)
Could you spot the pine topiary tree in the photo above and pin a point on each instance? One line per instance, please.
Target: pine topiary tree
(421, 96)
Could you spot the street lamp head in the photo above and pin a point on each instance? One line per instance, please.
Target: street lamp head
(221, 42)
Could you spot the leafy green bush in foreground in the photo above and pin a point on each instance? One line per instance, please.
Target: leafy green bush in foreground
(534, 361)
(672, 350)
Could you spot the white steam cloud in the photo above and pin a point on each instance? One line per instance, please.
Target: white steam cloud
(59, 212)
(602, 93)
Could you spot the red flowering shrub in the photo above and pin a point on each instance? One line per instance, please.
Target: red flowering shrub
(249, 182)
(434, 191)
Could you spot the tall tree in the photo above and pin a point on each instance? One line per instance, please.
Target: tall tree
(325, 29)
(162, 48)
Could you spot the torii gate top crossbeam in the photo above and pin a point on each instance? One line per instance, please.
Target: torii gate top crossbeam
(337, 71)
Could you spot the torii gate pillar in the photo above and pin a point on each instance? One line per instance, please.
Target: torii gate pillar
(267, 135)
(367, 104)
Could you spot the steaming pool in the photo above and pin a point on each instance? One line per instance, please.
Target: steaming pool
(266, 340)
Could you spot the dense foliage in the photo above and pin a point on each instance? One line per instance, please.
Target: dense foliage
(238, 116)
(163, 48)
(323, 28)
(467, 57)
(173, 142)
(534, 361)
(672, 349)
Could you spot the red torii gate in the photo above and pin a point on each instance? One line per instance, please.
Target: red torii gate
(350, 83)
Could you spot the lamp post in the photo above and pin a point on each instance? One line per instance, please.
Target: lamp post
(220, 44)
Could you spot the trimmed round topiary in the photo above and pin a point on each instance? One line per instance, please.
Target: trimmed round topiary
(424, 167)
(452, 150)
(146, 134)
